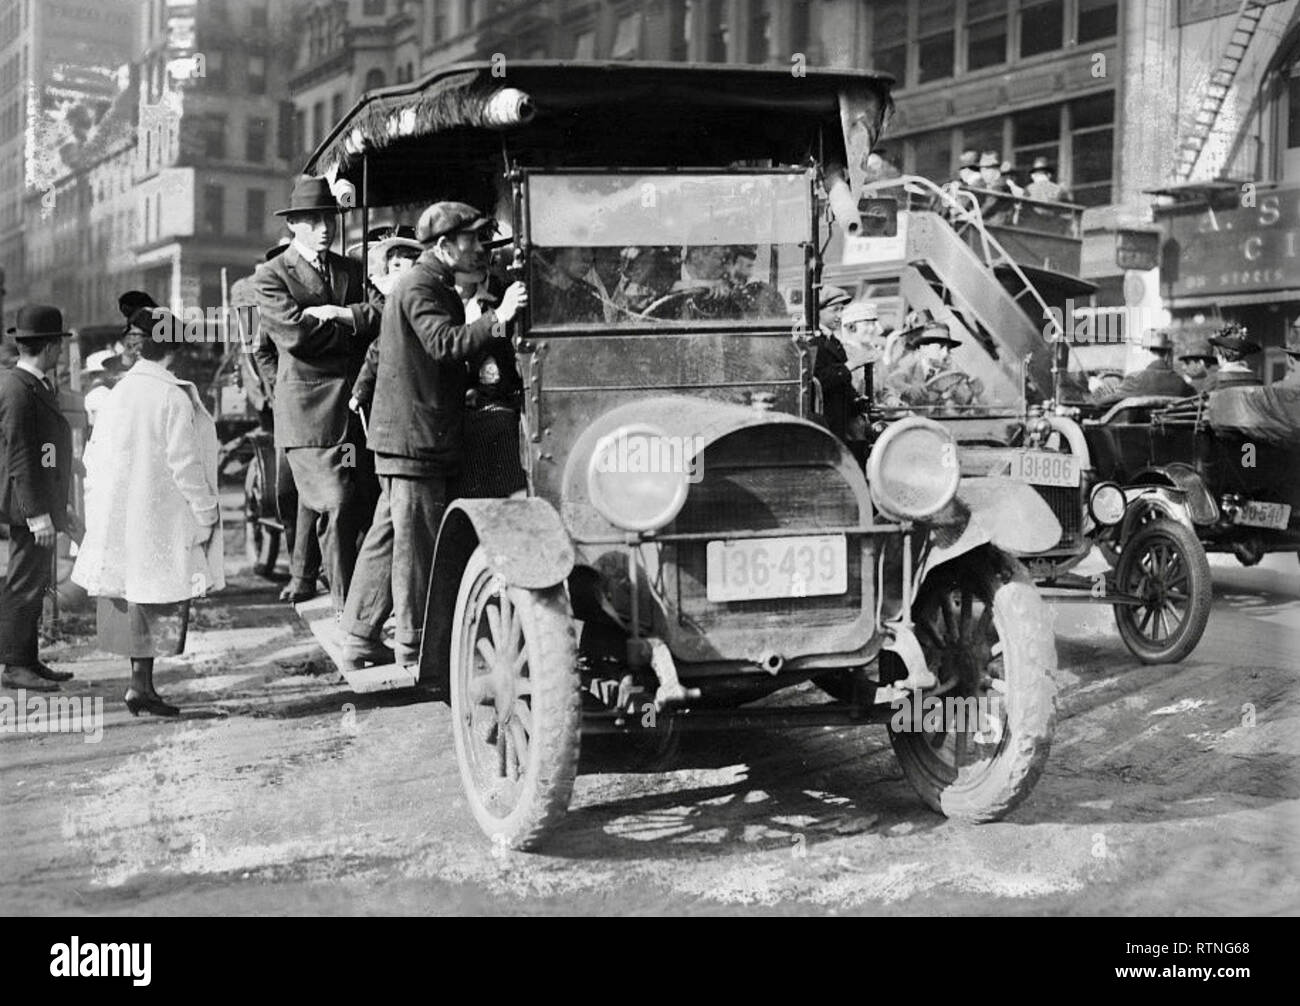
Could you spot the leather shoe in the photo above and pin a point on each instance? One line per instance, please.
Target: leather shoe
(298, 590)
(26, 677)
(50, 674)
(358, 651)
(135, 701)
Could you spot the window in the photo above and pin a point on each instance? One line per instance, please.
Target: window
(214, 136)
(1040, 26)
(255, 131)
(986, 33)
(935, 41)
(214, 68)
(466, 15)
(800, 25)
(1092, 137)
(375, 79)
(214, 209)
(256, 74)
(1097, 19)
(983, 135)
(1293, 112)
(932, 155)
(584, 44)
(627, 37)
(438, 21)
(336, 106)
(373, 8)
(255, 211)
(760, 32)
(257, 15)
(719, 32)
(679, 29)
(1036, 133)
(299, 132)
(317, 123)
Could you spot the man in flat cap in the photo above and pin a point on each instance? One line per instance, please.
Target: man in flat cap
(1199, 364)
(416, 427)
(35, 474)
(313, 304)
(1156, 378)
(1292, 349)
(830, 361)
(1232, 347)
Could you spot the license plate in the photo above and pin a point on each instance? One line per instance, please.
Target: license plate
(1044, 468)
(1273, 515)
(758, 568)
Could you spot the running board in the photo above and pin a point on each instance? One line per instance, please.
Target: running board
(318, 613)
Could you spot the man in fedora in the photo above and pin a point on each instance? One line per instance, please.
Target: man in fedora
(1292, 349)
(417, 427)
(996, 210)
(1199, 364)
(1157, 377)
(313, 304)
(1232, 347)
(918, 377)
(35, 473)
(1042, 186)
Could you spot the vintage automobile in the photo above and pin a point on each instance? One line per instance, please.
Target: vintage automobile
(692, 539)
(1004, 290)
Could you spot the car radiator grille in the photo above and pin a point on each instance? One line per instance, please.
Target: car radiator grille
(1067, 506)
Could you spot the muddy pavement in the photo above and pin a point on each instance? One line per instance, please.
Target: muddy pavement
(1169, 790)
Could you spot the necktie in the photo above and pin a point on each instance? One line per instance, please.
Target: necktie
(322, 267)
(48, 386)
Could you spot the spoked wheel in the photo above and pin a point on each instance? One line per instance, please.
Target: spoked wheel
(1164, 564)
(515, 702)
(261, 544)
(982, 735)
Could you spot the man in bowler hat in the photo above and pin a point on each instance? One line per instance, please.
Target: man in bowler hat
(312, 303)
(35, 473)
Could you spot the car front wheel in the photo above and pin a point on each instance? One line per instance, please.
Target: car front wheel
(974, 745)
(516, 706)
(1164, 566)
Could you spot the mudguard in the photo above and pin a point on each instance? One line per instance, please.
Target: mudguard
(526, 546)
(1170, 502)
(1200, 503)
(994, 511)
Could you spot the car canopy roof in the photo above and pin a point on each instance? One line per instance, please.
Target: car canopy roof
(439, 136)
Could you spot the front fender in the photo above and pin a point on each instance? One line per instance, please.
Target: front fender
(1169, 502)
(1200, 502)
(526, 546)
(997, 511)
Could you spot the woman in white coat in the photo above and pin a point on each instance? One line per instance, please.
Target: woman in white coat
(153, 517)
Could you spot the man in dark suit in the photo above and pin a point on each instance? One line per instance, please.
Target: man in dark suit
(35, 473)
(1157, 378)
(417, 426)
(312, 302)
(1232, 347)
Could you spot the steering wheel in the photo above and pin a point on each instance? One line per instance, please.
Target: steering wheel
(667, 299)
(946, 380)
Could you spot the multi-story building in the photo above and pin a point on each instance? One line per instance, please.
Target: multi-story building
(59, 74)
(213, 143)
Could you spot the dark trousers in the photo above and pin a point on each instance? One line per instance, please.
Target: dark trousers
(22, 593)
(337, 483)
(392, 573)
(299, 523)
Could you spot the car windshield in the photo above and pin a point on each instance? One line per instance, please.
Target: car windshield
(667, 250)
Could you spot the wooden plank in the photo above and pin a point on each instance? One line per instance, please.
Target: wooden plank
(387, 678)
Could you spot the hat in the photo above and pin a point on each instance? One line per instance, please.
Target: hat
(38, 321)
(921, 328)
(132, 301)
(967, 159)
(310, 195)
(1198, 349)
(1156, 339)
(989, 159)
(153, 321)
(382, 233)
(832, 296)
(380, 249)
(448, 218)
(1041, 164)
(859, 310)
(1233, 337)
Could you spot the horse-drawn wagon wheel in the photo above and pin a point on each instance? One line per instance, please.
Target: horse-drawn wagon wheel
(516, 704)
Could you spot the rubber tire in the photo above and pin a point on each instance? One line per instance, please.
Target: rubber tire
(1200, 592)
(989, 790)
(555, 740)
